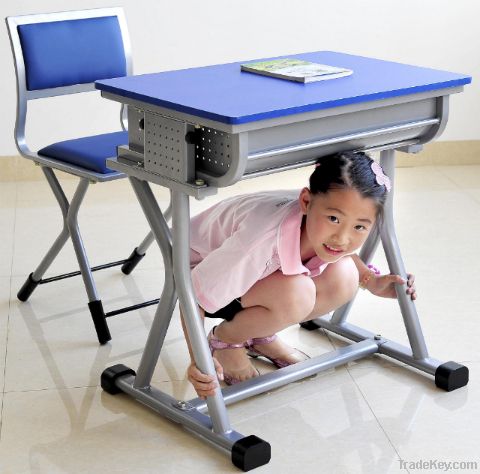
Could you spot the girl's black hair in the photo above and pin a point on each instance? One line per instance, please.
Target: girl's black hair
(348, 170)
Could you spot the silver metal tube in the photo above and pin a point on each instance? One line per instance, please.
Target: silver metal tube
(404, 354)
(395, 263)
(370, 246)
(64, 234)
(57, 190)
(51, 254)
(366, 254)
(193, 323)
(147, 241)
(72, 224)
(163, 314)
(302, 164)
(168, 212)
(292, 373)
(190, 418)
(269, 171)
(386, 347)
(343, 138)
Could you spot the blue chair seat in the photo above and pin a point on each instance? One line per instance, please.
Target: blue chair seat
(87, 152)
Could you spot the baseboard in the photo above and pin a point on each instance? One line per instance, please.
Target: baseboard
(466, 152)
(16, 168)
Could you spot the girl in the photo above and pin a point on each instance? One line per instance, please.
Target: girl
(266, 261)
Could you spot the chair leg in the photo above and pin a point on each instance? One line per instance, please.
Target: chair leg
(70, 218)
(95, 304)
(99, 321)
(34, 278)
(137, 254)
(140, 251)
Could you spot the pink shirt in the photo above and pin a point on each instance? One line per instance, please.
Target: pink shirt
(243, 239)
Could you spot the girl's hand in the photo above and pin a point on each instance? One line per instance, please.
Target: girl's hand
(384, 285)
(203, 384)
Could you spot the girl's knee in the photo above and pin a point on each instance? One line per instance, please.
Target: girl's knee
(346, 276)
(339, 280)
(298, 299)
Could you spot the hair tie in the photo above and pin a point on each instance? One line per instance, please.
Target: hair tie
(380, 176)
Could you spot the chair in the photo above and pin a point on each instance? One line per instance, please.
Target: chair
(64, 53)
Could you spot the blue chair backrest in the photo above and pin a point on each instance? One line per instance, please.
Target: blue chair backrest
(68, 52)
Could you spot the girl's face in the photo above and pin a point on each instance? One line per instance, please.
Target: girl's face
(337, 223)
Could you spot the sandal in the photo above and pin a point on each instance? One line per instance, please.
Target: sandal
(216, 344)
(280, 363)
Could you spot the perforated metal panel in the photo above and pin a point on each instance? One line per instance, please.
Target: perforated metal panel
(213, 151)
(166, 149)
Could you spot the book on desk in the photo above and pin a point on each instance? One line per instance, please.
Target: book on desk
(296, 70)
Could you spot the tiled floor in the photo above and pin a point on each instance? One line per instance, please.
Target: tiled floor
(362, 418)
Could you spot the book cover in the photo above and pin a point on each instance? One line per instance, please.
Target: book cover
(296, 70)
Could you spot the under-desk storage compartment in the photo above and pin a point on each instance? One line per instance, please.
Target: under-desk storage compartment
(281, 145)
(178, 150)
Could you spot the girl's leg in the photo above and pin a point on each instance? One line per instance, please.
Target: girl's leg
(336, 286)
(279, 301)
(272, 304)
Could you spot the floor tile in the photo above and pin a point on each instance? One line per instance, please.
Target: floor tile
(4, 316)
(44, 330)
(109, 232)
(8, 195)
(465, 177)
(52, 334)
(85, 430)
(422, 421)
(422, 178)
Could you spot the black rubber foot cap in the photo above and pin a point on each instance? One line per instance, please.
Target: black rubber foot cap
(99, 321)
(27, 289)
(111, 374)
(310, 325)
(132, 262)
(450, 376)
(250, 452)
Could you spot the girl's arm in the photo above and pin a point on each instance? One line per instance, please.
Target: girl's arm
(382, 285)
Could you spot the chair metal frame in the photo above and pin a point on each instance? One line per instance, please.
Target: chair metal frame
(86, 177)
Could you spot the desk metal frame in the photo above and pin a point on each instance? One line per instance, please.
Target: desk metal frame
(255, 149)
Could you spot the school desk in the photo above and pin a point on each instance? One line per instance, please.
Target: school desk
(197, 130)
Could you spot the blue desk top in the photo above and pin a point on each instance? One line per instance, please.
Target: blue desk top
(224, 93)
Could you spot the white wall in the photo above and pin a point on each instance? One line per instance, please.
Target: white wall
(168, 35)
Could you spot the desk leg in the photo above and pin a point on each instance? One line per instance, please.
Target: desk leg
(193, 323)
(395, 263)
(247, 452)
(166, 305)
